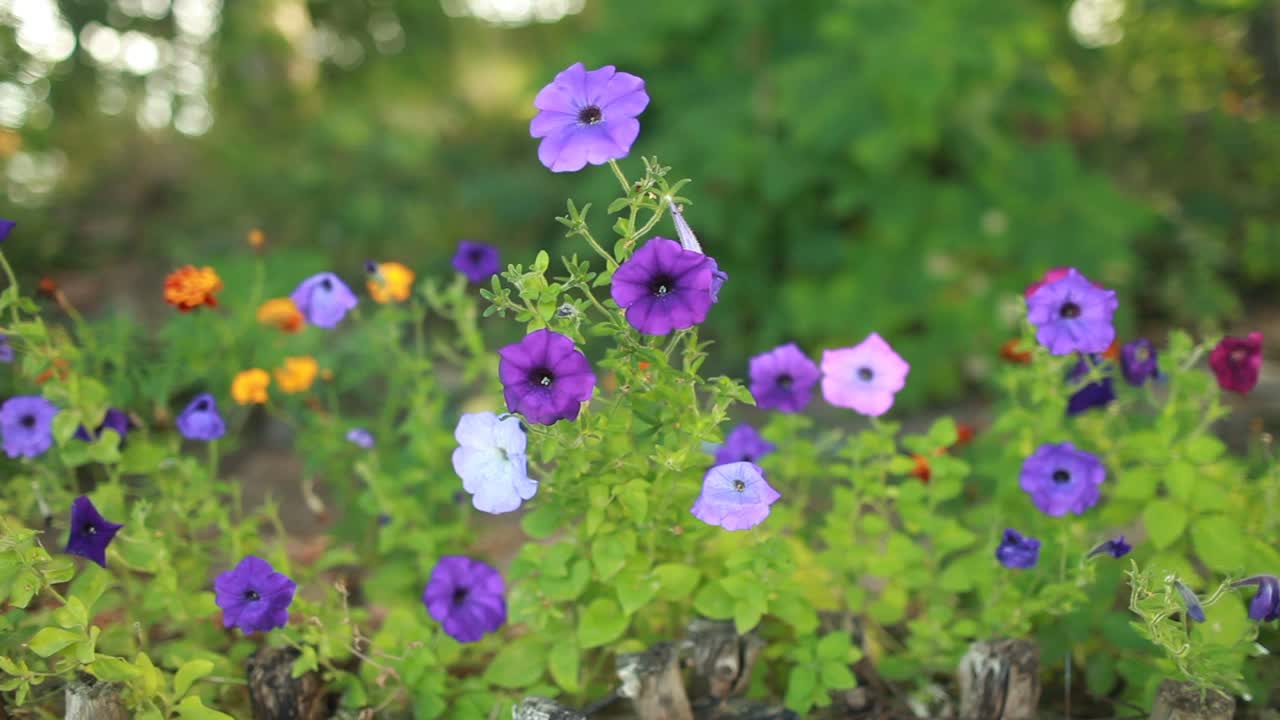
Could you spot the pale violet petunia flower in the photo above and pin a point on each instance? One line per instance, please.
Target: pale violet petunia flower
(735, 496)
(491, 461)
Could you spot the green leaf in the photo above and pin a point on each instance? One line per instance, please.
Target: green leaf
(609, 555)
(51, 639)
(73, 614)
(747, 614)
(563, 662)
(25, 585)
(113, 669)
(1203, 449)
(1219, 542)
(191, 671)
(802, 684)
(518, 664)
(835, 646)
(89, 585)
(1165, 520)
(634, 497)
(106, 449)
(542, 522)
(836, 675)
(676, 581)
(714, 602)
(635, 588)
(601, 623)
(305, 663)
(796, 612)
(191, 708)
(1181, 478)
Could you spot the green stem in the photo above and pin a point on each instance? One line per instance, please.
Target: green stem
(610, 262)
(213, 460)
(13, 283)
(622, 179)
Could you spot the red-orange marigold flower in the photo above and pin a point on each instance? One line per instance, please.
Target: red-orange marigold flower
(1010, 351)
(189, 287)
(921, 470)
(281, 313)
(964, 434)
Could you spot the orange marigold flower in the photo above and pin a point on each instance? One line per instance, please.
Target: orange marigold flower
(1113, 352)
(281, 313)
(47, 287)
(297, 374)
(189, 287)
(1011, 352)
(58, 367)
(921, 470)
(964, 434)
(389, 282)
(250, 386)
(257, 239)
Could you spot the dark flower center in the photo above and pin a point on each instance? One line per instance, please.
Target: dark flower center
(1140, 354)
(1061, 476)
(326, 285)
(459, 595)
(252, 595)
(475, 255)
(370, 267)
(746, 457)
(202, 405)
(785, 381)
(89, 529)
(27, 421)
(661, 285)
(865, 374)
(590, 115)
(1069, 310)
(739, 485)
(543, 377)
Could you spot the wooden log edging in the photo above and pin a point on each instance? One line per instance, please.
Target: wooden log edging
(721, 658)
(1000, 680)
(540, 708)
(651, 681)
(276, 695)
(88, 698)
(1180, 700)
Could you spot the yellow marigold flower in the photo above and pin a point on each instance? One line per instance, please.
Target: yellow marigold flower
(281, 313)
(297, 374)
(389, 281)
(257, 239)
(189, 287)
(250, 386)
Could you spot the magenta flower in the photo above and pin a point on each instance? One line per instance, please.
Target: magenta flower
(90, 532)
(1237, 362)
(783, 378)
(663, 287)
(253, 596)
(545, 378)
(587, 116)
(864, 377)
(324, 299)
(1071, 314)
(1061, 479)
(478, 261)
(466, 596)
(743, 444)
(734, 496)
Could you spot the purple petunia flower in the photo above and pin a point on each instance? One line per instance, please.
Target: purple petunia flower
(587, 116)
(783, 378)
(26, 422)
(1195, 610)
(1237, 362)
(323, 299)
(466, 596)
(743, 444)
(360, 437)
(663, 287)
(1096, 393)
(6, 349)
(864, 377)
(1138, 361)
(1265, 605)
(689, 241)
(1061, 479)
(490, 459)
(253, 596)
(545, 378)
(1116, 547)
(1017, 551)
(200, 420)
(1071, 315)
(6, 227)
(478, 261)
(114, 419)
(90, 532)
(734, 496)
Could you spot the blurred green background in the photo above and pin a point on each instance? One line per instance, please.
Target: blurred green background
(890, 165)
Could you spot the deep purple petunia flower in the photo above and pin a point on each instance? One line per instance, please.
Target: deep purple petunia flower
(361, 437)
(783, 378)
(663, 287)
(1237, 362)
(1071, 315)
(323, 299)
(26, 422)
(864, 377)
(1265, 605)
(253, 596)
(1017, 551)
(545, 378)
(114, 419)
(743, 444)
(689, 241)
(466, 596)
(200, 420)
(6, 349)
(587, 116)
(6, 227)
(1061, 479)
(734, 496)
(478, 261)
(1116, 547)
(90, 532)
(1138, 361)
(1096, 393)
(1195, 610)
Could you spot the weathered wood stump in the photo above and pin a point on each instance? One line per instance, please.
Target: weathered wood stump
(742, 709)
(91, 699)
(540, 708)
(276, 695)
(1176, 700)
(721, 658)
(651, 681)
(1000, 680)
